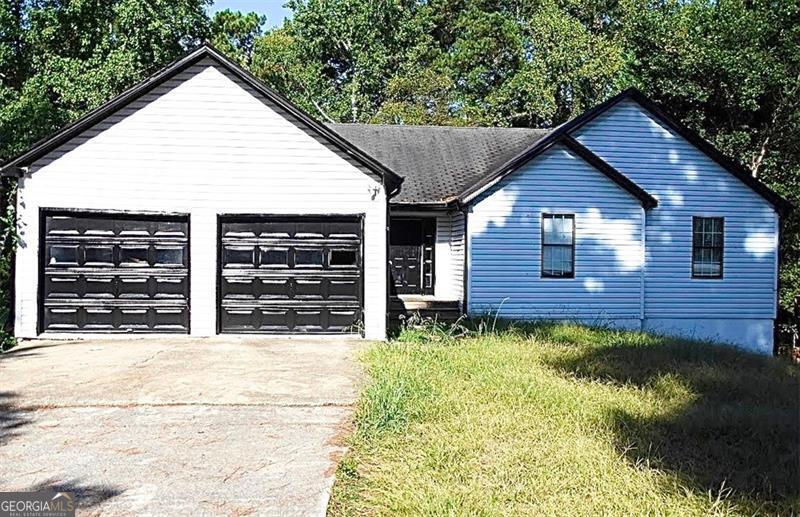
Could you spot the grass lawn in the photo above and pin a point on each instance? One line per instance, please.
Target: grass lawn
(564, 419)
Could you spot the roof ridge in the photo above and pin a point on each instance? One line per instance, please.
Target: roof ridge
(361, 124)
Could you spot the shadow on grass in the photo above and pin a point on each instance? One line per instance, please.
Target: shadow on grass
(12, 418)
(739, 428)
(86, 496)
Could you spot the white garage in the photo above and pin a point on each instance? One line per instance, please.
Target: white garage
(202, 145)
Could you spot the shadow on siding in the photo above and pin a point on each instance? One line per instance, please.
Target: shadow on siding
(506, 251)
(608, 256)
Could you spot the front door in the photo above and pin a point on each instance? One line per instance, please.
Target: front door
(411, 254)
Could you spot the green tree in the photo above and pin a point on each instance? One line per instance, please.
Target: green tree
(730, 69)
(60, 59)
(236, 33)
(474, 62)
(336, 57)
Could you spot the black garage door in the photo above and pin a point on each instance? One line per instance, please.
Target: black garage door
(114, 273)
(290, 274)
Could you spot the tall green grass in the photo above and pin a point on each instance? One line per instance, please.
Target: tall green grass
(490, 418)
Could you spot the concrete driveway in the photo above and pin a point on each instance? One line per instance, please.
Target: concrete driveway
(176, 426)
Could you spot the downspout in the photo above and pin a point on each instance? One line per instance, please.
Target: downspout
(642, 269)
(777, 273)
(389, 282)
(388, 279)
(465, 288)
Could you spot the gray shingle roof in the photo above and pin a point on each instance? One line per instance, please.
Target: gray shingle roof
(438, 162)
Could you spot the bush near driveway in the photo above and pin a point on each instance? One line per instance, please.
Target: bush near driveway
(565, 419)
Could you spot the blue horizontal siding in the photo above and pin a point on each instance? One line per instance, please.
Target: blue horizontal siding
(688, 183)
(505, 252)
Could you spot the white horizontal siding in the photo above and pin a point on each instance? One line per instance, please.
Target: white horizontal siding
(687, 183)
(449, 256)
(504, 229)
(202, 143)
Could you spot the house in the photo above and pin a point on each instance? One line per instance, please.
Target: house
(203, 202)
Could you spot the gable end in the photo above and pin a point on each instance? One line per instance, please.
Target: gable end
(781, 205)
(573, 145)
(16, 166)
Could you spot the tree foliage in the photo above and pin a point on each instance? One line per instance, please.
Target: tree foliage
(236, 33)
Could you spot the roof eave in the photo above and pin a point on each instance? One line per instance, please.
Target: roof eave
(474, 190)
(644, 197)
(50, 142)
(781, 205)
(425, 205)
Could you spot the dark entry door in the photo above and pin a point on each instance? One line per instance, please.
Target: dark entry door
(282, 274)
(114, 273)
(411, 252)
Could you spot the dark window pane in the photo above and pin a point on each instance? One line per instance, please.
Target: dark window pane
(239, 256)
(63, 255)
(99, 255)
(558, 245)
(342, 258)
(557, 229)
(708, 239)
(557, 261)
(274, 257)
(308, 257)
(169, 256)
(133, 256)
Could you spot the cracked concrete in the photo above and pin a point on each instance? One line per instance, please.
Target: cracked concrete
(233, 426)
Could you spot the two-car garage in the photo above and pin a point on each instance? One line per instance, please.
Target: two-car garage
(130, 273)
(200, 202)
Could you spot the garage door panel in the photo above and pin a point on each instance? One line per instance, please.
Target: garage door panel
(170, 319)
(273, 288)
(62, 318)
(288, 288)
(274, 320)
(343, 289)
(342, 319)
(147, 286)
(115, 273)
(172, 287)
(283, 319)
(289, 274)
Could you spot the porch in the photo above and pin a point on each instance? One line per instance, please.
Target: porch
(426, 260)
